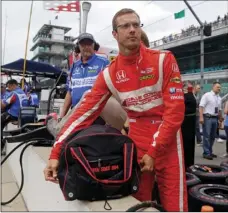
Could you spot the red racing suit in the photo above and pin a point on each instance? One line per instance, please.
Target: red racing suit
(149, 88)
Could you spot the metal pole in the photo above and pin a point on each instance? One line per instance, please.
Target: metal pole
(193, 12)
(26, 46)
(201, 47)
(201, 60)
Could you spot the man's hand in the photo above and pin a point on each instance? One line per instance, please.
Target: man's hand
(201, 120)
(221, 119)
(147, 163)
(50, 172)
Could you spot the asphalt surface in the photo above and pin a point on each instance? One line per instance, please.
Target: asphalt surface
(218, 149)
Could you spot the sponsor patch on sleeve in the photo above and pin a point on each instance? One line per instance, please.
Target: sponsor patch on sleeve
(175, 67)
(174, 90)
(176, 80)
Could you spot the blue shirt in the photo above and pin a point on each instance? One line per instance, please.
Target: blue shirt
(226, 121)
(15, 100)
(27, 88)
(82, 76)
(34, 100)
(4, 95)
(226, 117)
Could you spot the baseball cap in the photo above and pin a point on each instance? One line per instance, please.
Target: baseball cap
(86, 36)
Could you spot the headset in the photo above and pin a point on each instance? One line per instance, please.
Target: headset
(77, 50)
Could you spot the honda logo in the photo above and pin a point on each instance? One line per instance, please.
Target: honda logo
(175, 67)
(120, 75)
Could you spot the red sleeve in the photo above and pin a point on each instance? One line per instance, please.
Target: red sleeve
(10, 99)
(89, 109)
(174, 107)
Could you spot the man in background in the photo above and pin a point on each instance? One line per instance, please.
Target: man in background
(11, 105)
(33, 99)
(27, 86)
(210, 113)
(188, 125)
(84, 71)
(82, 76)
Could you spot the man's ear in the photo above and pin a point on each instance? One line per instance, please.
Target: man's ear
(114, 33)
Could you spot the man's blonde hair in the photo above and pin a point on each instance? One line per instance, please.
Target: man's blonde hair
(120, 13)
(145, 39)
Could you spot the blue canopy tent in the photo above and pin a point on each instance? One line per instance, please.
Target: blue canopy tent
(33, 68)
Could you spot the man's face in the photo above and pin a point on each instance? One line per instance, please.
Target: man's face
(197, 89)
(11, 87)
(128, 32)
(216, 88)
(86, 47)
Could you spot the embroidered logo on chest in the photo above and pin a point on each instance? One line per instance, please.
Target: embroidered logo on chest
(121, 77)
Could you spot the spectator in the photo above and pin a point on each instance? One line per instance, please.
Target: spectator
(210, 111)
(188, 125)
(193, 30)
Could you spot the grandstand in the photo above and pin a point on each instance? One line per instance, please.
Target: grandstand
(186, 48)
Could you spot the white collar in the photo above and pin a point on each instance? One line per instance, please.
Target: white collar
(213, 93)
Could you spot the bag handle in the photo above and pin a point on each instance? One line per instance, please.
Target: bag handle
(128, 159)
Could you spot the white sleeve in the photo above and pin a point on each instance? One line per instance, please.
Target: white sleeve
(203, 101)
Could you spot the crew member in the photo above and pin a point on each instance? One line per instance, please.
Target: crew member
(141, 80)
(81, 78)
(12, 104)
(27, 86)
(84, 71)
(4, 94)
(210, 112)
(33, 99)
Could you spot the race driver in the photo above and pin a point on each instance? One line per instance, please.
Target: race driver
(148, 86)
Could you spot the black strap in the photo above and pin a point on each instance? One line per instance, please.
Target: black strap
(128, 161)
(108, 205)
